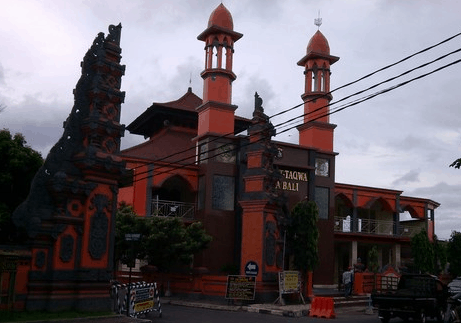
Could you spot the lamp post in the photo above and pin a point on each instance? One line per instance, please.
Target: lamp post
(130, 237)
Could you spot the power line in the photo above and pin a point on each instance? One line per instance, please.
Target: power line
(324, 95)
(378, 70)
(377, 84)
(293, 120)
(358, 101)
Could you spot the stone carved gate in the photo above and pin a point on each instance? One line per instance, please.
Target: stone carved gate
(69, 215)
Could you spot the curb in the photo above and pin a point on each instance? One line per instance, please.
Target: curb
(89, 319)
(251, 309)
(264, 308)
(206, 305)
(286, 313)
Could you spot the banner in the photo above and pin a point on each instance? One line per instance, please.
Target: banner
(241, 287)
(289, 282)
(144, 299)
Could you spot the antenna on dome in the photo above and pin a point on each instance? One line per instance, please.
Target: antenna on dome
(318, 21)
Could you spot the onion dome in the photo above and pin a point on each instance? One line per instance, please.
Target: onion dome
(318, 44)
(318, 48)
(221, 17)
(220, 22)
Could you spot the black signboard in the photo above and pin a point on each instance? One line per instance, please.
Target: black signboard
(251, 268)
(241, 287)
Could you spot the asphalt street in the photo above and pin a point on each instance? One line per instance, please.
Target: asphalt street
(178, 314)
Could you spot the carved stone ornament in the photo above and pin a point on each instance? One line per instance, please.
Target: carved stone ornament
(270, 243)
(99, 227)
(279, 261)
(90, 139)
(67, 248)
(40, 259)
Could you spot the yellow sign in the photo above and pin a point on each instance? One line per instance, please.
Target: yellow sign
(143, 306)
(291, 280)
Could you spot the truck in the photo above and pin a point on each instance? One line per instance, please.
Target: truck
(416, 297)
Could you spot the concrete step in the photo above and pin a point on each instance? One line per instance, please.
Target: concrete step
(351, 301)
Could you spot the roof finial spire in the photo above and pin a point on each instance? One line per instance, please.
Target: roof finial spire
(190, 83)
(318, 21)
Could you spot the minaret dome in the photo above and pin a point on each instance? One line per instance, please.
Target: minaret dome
(221, 17)
(318, 44)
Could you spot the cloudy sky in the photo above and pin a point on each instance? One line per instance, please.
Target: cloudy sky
(404, 139)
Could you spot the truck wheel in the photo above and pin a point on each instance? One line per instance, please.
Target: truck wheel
(441, 316)
(422, 317)
(385, 318)
(447, 317)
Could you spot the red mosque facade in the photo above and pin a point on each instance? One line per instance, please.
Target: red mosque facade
(198, 163)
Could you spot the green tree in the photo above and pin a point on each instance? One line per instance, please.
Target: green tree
(456, 163)
(454, 252)
(423, 252)
(303, 234)
(18, 165)
(126, 221)
(165, 241)
(440, 253)
(373, 263)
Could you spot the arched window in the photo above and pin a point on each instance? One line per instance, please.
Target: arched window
(322, 80)
(214, 54)
(314, 78)
(225, 55)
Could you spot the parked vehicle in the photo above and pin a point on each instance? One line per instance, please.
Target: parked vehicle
(453, 312)
(417, 297)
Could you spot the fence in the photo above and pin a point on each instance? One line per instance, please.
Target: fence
(369, 226)
(173, 208)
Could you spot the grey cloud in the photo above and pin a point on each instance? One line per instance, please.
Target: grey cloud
(446, 194)
(410, 142)
(410, 177)
(448, 215)
(40, 122)
(245, 91)
(2, 75)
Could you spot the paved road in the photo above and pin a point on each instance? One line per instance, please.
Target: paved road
(182, 314)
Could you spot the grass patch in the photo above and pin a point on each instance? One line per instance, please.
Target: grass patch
(42, 315)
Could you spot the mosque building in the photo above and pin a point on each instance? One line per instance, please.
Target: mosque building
(203, 162)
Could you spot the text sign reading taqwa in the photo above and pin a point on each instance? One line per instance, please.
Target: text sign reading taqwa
(291, 180)
(289, 282)
(241, 287)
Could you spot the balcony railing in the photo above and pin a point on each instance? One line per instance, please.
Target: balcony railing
(378, 227)
(173, 209)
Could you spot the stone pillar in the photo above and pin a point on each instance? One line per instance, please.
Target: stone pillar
(380, 257)
(397, 259)
(354, 255)
(262, 235)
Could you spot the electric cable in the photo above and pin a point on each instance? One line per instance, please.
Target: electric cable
(326, 94)
(292, 120)
(366, 98)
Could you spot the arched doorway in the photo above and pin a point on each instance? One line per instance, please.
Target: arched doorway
(174, 198)
(175, 188)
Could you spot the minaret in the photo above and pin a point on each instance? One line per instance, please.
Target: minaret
(216, 114)
(217, 145)
(317, 131)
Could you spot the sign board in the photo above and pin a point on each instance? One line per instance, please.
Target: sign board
(241, 287)
(144, 299)
(289, 282)
(251, 268)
